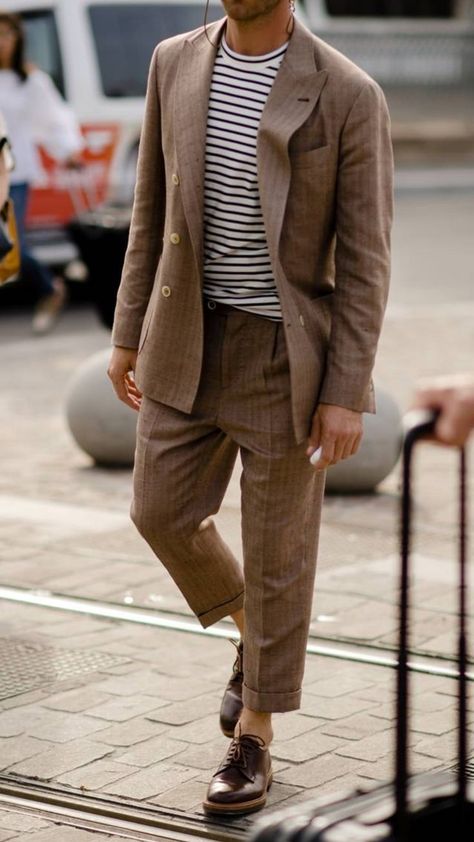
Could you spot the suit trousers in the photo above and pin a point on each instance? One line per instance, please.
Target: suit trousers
(183, 464)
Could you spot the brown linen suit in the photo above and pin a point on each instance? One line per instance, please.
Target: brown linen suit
(214, 383)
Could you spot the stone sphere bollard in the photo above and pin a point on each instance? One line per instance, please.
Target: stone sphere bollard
(378, 453)
(103, 426)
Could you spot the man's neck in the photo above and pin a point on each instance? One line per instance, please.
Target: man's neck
(260, 36)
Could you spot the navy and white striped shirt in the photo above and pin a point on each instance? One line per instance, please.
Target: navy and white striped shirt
(237, 267)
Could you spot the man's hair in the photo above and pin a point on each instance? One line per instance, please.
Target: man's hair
(16, 25)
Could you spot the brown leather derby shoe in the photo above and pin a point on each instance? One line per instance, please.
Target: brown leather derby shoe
(231, 706)
(241, 782)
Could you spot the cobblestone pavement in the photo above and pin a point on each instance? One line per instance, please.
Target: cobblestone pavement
(18, 828)
(145, 728)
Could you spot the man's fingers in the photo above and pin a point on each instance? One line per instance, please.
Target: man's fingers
(356, 443)
(126, 390)
(315, 436)
(453, 398)
(133, 404)
(133, 392)
(349, 448)
(452, 429)
(128, 399)
(345, 447)
(119, 387)
(327, 456)
(336, 451)
(427, 398)
(132, 387)
(332, 451)
(339, 447)
(337, 431)
(121, 372)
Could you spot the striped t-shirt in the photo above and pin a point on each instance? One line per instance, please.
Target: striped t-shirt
(237, 267)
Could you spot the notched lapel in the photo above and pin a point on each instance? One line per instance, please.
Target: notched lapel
(292, 100)
(193, 80)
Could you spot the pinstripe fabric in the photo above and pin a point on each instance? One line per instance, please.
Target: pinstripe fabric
(214, 384)
(325, 181)
(182, 466)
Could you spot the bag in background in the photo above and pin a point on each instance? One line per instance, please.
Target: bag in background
(9, 246)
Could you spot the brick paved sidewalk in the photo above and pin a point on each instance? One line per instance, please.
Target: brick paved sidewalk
(146, 728)
(25, 828)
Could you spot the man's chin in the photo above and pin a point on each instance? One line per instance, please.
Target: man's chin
(248, 10)
(237, 10)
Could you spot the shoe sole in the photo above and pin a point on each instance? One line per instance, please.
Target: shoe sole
(238, 809)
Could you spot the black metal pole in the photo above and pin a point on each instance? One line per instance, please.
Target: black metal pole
(462, 725)
(419, 425)
(401, 759)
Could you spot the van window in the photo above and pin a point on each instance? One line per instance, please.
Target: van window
(125, 36)
(392, 8)
(43, 44)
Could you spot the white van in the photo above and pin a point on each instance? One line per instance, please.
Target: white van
(98, 53)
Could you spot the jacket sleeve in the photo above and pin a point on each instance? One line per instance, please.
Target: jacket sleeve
(146, 229)
(364, 208)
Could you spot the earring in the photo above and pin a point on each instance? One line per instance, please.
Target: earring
(291, 20)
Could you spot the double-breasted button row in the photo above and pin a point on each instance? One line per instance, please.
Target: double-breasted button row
(175, 239)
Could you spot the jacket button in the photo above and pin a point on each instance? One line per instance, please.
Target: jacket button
(301, 320)
(165, 291)
(175, 179)
(175, 239)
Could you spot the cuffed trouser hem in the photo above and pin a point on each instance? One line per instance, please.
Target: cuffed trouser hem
(219, 611)
(271, 702)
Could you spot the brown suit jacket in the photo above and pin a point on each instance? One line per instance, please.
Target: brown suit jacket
(325, 175)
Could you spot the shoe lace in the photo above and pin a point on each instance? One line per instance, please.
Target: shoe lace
(240, 750)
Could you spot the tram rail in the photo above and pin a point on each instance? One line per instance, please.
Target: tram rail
(338, 648)
(104, 814)
(124, 818)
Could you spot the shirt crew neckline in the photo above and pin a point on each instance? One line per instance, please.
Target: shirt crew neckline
(266, 58)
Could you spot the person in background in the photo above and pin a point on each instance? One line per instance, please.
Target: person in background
(453, 398)
(34, 112)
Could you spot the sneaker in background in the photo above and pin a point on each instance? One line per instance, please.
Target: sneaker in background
(48, 308)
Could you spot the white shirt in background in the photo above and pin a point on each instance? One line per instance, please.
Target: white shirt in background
(36, 113)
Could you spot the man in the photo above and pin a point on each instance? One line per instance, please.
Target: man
(249, 311)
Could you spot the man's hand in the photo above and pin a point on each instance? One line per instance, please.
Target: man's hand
(453, 397)
(337, 431)
(121, 367)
